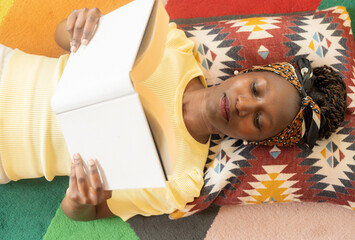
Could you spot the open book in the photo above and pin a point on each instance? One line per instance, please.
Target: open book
(98, 109)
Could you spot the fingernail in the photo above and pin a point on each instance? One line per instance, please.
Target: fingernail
(72, 49)
(85, 41)
(76, 157)
(91, 162)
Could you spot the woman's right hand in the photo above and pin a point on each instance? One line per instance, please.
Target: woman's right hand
(85, 193)
(81, 25)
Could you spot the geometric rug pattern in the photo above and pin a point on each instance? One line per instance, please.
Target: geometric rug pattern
(322, 37)
(239, 174)
(28, 217)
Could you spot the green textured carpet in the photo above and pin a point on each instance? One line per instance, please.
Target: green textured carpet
(27, 207)
(110, 228)
(349, 4)
(55, 228)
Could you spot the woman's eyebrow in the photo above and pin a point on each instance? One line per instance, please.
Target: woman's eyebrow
(262, 122)
(268, 114)
(267, 88)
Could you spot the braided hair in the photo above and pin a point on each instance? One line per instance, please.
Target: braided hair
(329, 92)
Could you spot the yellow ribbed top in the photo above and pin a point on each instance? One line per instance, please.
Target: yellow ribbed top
(161, 95)
(32, 145)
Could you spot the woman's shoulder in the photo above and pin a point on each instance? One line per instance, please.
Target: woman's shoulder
(177, 39)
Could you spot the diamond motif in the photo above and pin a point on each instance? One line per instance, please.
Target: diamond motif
(332, 154)
(330, 162)
(275, 152)
(321, 44)
(263, 51)
(235, 173)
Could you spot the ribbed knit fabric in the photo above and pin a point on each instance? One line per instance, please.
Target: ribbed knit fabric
(31, 142)
(32, 145)
(5, 55)
(161, 95)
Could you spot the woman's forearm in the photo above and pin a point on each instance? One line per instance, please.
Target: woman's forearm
(62, 36)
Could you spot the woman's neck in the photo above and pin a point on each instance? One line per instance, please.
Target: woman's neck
(193, 109)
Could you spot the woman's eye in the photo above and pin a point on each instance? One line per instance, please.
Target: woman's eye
(257, 121)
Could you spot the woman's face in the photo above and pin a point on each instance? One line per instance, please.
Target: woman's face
(252, 106)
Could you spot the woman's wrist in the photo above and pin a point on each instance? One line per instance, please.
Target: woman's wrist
(78, 212)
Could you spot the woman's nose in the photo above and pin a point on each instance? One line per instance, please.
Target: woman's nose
(245, 106)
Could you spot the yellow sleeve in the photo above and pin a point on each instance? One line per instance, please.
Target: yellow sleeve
(155, 201)
(177, 39)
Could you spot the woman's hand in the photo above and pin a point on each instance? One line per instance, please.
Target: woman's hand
(81, 26)
(85, 189)
(78, 29)
(85, 198)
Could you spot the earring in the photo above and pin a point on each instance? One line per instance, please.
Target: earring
(236, 72)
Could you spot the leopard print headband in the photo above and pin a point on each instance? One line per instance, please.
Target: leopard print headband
(305, 126)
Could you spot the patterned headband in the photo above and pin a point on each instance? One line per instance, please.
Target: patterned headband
(305, 126)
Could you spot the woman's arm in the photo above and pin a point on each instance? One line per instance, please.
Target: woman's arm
(61, 35)
(85, 199)
(78, 29)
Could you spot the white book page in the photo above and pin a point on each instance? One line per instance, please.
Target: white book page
(100, 71)
(117, 135)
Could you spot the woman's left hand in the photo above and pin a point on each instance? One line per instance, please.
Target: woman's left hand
(81, 26)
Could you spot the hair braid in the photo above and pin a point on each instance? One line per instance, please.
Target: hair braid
(329, 92)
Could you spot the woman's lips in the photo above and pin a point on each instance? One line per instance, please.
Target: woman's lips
(224, 108)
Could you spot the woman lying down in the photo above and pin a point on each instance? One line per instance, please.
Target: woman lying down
(275, 104)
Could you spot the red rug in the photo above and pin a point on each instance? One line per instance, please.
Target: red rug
(36, 214)
(211, 8)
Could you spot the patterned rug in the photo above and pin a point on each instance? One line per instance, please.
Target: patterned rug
(27, 207)
(239, 174)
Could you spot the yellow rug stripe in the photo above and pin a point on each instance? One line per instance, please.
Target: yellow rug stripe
(5, 5)
(30, 24)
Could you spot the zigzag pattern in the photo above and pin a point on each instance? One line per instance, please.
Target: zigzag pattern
(235, 173)
(332, 171)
